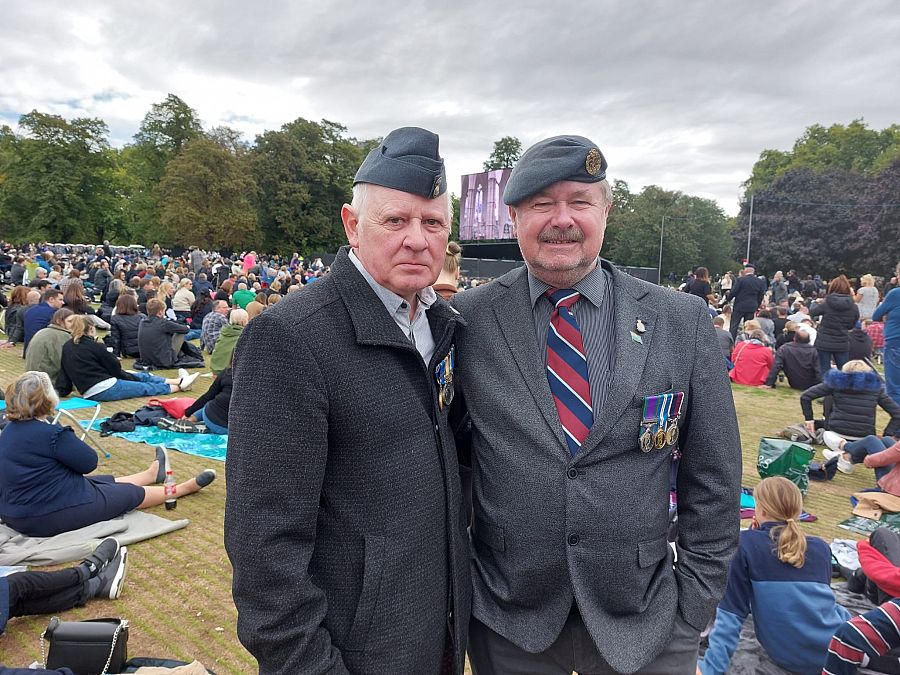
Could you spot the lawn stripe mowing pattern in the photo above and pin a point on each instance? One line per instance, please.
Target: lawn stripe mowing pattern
(178, 592)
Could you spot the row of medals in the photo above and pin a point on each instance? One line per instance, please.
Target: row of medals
(661, 438)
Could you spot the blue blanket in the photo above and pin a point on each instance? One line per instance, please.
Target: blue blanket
(202, 445)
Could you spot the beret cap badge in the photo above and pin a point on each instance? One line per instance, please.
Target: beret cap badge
(593, 161)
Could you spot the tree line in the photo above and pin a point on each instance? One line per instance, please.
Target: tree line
(177, 184)
(828, 205)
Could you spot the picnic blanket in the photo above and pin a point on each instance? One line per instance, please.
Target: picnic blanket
(19, 549)
(212, 446)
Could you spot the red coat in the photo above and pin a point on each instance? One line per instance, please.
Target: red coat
(752, 363)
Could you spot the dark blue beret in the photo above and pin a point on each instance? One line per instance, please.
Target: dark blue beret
(552, 160)
(406, 160)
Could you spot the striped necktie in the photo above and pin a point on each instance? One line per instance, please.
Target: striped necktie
(567, 369)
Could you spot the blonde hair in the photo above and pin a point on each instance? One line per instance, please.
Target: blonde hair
(856, 366)
(82, 325)
(30, 396)
(779, 498)
(751, 325)
(867, 280)
(274, 298)
(452, 257)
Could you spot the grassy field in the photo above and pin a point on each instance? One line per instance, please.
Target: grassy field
(178, 592)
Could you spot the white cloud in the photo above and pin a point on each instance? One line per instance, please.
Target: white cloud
(682, 95)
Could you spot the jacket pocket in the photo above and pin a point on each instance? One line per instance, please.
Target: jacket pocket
(491, 535)
(652, 551)
(373, 566)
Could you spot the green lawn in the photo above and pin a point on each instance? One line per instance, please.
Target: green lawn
(178, 593)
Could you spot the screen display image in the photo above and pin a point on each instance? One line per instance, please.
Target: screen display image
(483, 215)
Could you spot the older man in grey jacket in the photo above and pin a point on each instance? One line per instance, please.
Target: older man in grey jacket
(595, 401)
(343, 518)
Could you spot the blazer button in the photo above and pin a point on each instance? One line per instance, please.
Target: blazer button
(572, 473)
(573, 539)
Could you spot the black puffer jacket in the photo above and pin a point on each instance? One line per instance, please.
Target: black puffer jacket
(15, 328)
(123, 334)
(855, 397)
(839, 314)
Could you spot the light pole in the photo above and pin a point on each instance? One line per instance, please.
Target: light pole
(662, 229)
(749, 228)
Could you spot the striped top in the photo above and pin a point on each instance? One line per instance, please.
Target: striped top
(595, 313)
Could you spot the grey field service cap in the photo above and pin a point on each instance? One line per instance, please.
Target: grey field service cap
(406, 160)
(552, 160)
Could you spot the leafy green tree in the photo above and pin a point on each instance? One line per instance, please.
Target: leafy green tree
(305, 173)
(168, 126)
(207, 196)
(59, 180)
(697, 231)
(854, 147)
(230, 139)
(505, 154)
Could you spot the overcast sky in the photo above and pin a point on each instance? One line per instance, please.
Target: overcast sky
(683, 95)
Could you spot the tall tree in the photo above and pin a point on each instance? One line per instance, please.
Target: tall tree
(59, 180)
(505, 154)
(805, 221)
(207, 196)
(697, 231)
(304, 172)
(165, 129)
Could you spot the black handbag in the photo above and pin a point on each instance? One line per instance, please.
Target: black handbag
(94, 647)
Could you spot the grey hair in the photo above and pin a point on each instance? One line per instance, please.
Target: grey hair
(358, 203)
(27, 394)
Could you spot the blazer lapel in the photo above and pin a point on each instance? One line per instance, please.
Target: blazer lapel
(630, 357)
(514, 317)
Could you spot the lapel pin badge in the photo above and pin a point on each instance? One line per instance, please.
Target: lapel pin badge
(639, 327)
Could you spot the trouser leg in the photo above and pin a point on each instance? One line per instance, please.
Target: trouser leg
(46, 592)
(492, 654)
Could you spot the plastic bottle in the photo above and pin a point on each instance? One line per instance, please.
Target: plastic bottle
(169, 486)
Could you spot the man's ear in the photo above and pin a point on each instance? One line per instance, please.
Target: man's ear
(351, 225)
(512, 216)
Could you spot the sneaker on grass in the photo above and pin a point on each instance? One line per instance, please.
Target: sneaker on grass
(112, 577)
(834, 441)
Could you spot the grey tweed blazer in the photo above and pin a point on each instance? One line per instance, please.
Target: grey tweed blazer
(550, 529)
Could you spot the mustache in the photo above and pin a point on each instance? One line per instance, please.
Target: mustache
(559, 235)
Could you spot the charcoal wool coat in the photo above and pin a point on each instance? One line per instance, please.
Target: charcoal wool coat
(550, 529)
(343, 518)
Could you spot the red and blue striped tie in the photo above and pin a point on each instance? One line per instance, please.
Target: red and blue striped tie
(567, 369)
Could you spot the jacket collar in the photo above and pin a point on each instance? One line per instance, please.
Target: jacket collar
(371, 321)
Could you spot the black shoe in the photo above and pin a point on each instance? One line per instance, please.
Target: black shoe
(112, 577)
(106, 550)
(162, 456)
(204, 478)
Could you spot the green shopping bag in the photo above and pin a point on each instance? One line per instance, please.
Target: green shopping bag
(781, 457)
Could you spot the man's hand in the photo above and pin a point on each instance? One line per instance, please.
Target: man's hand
(811, 427)
(764, 386)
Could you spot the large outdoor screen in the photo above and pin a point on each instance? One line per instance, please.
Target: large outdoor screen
(483, 215)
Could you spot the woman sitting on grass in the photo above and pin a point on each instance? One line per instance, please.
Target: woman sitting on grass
(44, 489)
(98, 375)
(784, 579)
(856, 391)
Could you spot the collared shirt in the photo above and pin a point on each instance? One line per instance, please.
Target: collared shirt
(418, 330)
(595, 313)
(210, 329)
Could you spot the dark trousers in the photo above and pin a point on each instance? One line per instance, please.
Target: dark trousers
(574, 650)
(45, 592)
(840, 358)
(737, 317)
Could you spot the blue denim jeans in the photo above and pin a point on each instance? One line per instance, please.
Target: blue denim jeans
(193, 334)
(892, 369)
(212, 426)
(147, 385)
(840, 358)
(870, 445)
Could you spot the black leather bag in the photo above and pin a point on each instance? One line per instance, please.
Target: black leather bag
(94, 647)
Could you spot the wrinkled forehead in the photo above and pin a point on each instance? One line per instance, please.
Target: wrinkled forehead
(568, 190)
(381, 201)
